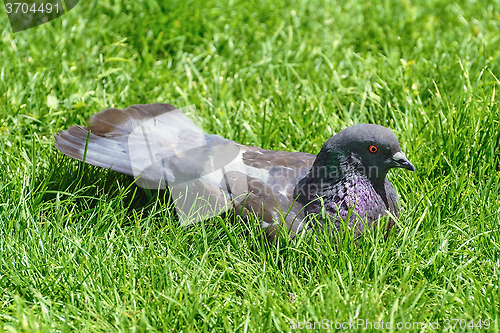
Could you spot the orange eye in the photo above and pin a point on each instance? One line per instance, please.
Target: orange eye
(372, 149)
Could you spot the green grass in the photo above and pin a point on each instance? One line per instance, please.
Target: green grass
(97, 254)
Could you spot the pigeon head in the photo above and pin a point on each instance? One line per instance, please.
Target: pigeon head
(369, 149)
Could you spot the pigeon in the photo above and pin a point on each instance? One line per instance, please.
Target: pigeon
(208, 175)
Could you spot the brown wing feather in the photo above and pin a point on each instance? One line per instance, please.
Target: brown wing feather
(112, 121)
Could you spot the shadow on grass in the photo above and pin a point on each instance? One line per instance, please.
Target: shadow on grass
(86, 188)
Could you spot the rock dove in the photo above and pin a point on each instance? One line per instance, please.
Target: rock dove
(209, 175)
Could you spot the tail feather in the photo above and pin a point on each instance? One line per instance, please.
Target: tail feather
(101, 152)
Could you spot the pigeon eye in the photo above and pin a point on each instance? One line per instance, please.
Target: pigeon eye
(372, 149)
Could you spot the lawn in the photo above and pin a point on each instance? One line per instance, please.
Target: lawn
(83, 249)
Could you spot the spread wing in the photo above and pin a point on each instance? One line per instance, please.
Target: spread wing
(206, 174)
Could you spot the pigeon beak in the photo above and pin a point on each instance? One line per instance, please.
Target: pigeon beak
(402, 162)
